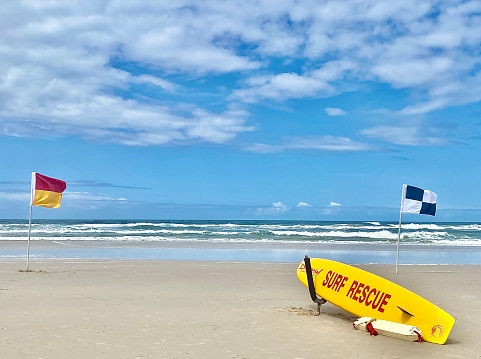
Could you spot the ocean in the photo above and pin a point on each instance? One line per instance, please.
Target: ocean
(355, 242)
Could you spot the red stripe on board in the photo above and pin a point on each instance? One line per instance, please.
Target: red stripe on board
(46, 183)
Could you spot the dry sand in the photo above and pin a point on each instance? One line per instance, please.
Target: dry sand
(71, 309)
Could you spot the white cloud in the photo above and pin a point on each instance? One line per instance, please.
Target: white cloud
(15, 196)
(415, 72)
(89, 200)
(328, 143)
(318, 82)
(164, 84)
(281, 86)
(303, 204)
(263, 148)
(182, 45)
(334, 111)
(406, 135)
(276, 208)
(321, 143)
(333, 208)
(87, 196)
(280, 205)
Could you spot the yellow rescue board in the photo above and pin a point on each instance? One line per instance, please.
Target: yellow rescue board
(365, 294)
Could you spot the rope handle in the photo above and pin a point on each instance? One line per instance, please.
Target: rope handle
(371, 329)
(420, 337)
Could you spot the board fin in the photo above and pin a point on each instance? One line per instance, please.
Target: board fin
(310, 285)
(405, 311)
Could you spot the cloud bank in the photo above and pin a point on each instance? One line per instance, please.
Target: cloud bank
(156, 73)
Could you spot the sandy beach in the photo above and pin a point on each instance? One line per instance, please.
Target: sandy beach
(197, 309)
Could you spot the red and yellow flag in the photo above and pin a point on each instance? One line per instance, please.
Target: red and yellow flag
(46, 191)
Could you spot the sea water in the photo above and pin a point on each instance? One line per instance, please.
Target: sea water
(279, 241)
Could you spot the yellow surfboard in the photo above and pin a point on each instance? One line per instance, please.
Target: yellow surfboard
(365, 294)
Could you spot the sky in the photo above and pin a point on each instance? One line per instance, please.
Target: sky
(265, 109)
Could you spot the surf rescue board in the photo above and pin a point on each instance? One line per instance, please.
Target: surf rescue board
(365, 294)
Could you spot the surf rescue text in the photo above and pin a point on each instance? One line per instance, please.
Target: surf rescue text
(358, 291)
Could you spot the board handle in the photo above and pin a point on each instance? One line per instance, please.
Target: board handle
(310, 285)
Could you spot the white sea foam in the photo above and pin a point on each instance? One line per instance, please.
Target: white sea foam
(417, 226)
(375, 235)
(465, 234)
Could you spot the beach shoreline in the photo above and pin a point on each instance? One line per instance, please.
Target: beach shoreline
(274, 252)
(87, 308)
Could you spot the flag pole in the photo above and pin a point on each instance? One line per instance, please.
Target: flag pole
(29, 230)
(398, 240)
(399, 230)
(32, 189)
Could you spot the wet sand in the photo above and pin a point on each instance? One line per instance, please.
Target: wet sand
(280, 252)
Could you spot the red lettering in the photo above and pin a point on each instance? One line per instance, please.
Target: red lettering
(358, 291)
(351, 290)
(384, 302)
(364, 294)
(337, 282)
(378, 298)
(343, 283)
(368, 302)
(328, 276)
(332, 280)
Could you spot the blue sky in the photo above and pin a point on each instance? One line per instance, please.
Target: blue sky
(241, 109)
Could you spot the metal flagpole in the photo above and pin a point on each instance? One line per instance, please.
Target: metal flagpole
(399, 230)
(29, 230)
(32, 189)
(398, 239)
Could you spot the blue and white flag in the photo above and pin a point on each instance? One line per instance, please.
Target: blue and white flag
(418, 200)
